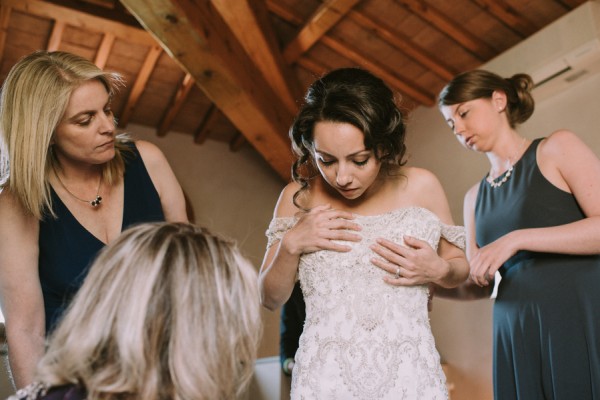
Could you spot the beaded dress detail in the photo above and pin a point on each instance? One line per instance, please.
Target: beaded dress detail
(364, 338)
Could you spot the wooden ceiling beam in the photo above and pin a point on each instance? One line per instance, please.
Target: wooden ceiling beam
(312, 66)
(470, 42)
(386, 33)
(104, 50)
(80, 20)
(404, 44)
(99, 11)
(509, 16)
(250, 22)
(140, 84)
(344, 49)
(392, 78)
(236, 143)
(284, 13)
(570, 4)
(196, 35)
(183, 90)
(55, 36)
(4, 21)
(203, 131)
(322, 20)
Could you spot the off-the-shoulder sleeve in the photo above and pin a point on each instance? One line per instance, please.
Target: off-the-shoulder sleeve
(455, 235)
(277, 228)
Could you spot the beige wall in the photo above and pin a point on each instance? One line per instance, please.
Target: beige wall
(463, 329)
(231, 193)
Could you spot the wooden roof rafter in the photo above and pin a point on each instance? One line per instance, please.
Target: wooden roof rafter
(404, 44)
(208, 121)
(470, 42)
(181, 95)
(392, 78)
(55, 36)
(509, 16)
(197, 36)
(140, 84)
(4, 20)
(116, 13)
(80, 19)
(344, 49)
(250, 22)
(322, 20)
(236, 143)
(108, 39)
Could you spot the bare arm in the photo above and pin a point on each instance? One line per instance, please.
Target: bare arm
(165, 182)
(313, 231)
(468, 290)
(571, 166)
(20, 290)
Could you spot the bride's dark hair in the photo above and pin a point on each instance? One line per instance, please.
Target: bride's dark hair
(353, 96)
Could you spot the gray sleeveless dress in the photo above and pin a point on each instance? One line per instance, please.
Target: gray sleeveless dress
(547, 311)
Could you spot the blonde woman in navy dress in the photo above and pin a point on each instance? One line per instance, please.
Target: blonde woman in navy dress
(535, 218)
(74, 185)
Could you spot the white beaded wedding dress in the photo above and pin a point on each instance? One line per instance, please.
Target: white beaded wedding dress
(364, 338)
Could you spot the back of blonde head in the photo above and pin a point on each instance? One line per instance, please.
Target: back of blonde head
(34, 98)
(168, 311)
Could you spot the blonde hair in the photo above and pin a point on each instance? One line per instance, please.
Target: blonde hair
(34, 98)
(168, 311)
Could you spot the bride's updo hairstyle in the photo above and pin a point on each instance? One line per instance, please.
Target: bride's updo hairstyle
(353, 96)
(477, 84)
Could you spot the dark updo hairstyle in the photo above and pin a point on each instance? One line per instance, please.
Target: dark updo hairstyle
(479, 84)
(353, 96)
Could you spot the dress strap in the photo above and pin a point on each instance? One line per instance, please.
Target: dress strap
(277, 228)
(455, 235)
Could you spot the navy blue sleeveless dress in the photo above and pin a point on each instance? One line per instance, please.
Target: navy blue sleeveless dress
(67, 249)
(547, 311)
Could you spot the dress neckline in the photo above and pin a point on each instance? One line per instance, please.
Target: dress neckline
(382, 214)
(518, 163)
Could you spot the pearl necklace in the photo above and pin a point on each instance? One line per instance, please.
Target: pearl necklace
(94, 203)
(492, 182)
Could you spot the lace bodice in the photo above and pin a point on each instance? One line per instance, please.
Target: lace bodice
(364, 338)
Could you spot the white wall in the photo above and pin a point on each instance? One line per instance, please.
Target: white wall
(463, 329)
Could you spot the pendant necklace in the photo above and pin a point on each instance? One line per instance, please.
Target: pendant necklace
(94, 203)
(492, 182)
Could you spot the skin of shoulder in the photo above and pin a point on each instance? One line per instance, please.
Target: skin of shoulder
(285, 206)
(428, 192)
(164, 180)
(569, 164)
(150, 153)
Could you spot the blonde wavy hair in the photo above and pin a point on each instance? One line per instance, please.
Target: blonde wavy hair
(34, 98)
(168, 311)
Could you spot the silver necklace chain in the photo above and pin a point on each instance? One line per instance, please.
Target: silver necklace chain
(506, 176)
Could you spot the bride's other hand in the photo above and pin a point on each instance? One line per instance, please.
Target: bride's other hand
(416, 263)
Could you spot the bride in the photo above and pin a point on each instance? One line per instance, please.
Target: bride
(366, 236)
